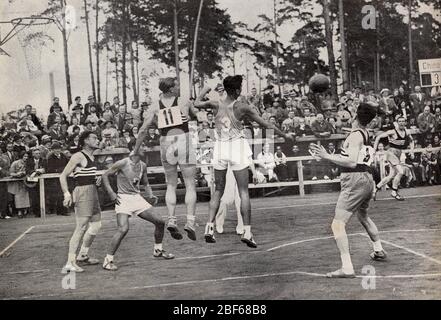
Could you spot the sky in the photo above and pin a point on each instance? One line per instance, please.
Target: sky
(17, 89)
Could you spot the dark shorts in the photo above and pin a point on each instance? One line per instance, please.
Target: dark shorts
(87, 203)
(356, 191)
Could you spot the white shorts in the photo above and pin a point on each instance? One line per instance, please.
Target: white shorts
(235, 153)
(131, 204)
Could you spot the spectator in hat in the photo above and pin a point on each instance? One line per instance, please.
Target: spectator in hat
(57, 113)
(387, 104)
(18, 188)
(56, 162)
(45, 147)
(77, 113)
(127, 140)
(88, 107)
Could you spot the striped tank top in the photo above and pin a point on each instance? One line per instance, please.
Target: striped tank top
(399, 142)
(227, 126)
(183, 128)
(84, 176)
(365, 155)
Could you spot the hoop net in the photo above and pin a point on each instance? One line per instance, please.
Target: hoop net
(33, 37)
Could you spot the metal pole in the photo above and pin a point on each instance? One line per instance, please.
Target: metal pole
(195, 42)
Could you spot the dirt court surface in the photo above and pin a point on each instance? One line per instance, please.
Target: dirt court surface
(295, 251)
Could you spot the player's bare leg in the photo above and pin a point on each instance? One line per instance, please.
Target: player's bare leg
(341, 238)
(396, 182)
(90, 234)
(171, 175)
(74, 242)
(219, 180)
(372, 230)
(122, 221)
(242, 177)
(189, 173)
(384, 181)
(150, 216)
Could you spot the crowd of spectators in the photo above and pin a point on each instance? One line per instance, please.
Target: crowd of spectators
(31, 145)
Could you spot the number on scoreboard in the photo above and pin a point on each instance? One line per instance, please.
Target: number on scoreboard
(169, 117)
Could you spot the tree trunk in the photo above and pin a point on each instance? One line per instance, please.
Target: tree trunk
(276, 44)
(344, 59)
(132, 67)
(123, 53)
(86, 13)
(195, 43)
(98, 81)
(411, 70)
(176, 41)
(330, 47)
(137, 71)
(66, 55)
(116, 69)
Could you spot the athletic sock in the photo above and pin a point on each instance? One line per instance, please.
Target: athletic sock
(109, 258)
(377, 245)
(84, 251)
(157, 246)
(190, 219)
(209, 229)
(247, 233)
(346, 262)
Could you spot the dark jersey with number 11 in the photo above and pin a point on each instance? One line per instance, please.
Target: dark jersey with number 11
(171, 118)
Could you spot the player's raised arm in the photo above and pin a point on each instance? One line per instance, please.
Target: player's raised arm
(143, 131)
(349, 159)
(74, 161)
(254, 116)
(204, 104)
(382, 136)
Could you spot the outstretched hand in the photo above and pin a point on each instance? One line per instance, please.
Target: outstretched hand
(318, 151)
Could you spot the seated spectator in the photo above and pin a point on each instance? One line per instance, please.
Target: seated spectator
(35, 166)
(88, 107)
(315, 168)
(332, 169)
(432, 168)
(333, 125)
(93, 127)
(437, 119)
(121, 117)
(280, 112)
(320, 127)
(77, 104)
(45, 147)
(387, 104)
(109, 129)
(308, 116)
(288, 123)
(210, 120)
(404, 110)
(55, 132)
(266, 163)
(56, 114)
(18, 146)
(127, 140)
(135, 132)
(93, 115)
(281, 168)
(75, 123)
(108, 142)
(33, 117)
(205, 134)
(303, 129)
(426, 121)
(266, 114)
(73, 144)
(108, 114)
(18, 188)
(76, 113)
(305, 104)
(55, 104)
(152, 138)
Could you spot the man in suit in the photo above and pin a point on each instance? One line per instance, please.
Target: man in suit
(35, 166)
(417, 100)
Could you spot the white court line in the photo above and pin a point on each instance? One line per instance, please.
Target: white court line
(15, 241)
(26, 272)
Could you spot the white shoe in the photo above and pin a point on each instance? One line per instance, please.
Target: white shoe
(71, 267)
(326, 177)
(8, 217)
(240, 230)
(314, 178)
(109, 265)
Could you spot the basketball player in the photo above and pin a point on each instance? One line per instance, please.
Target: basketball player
(356, 188)
(232, 149)
(85, 197)
(399, 140)
(171, 117)
(130, 173)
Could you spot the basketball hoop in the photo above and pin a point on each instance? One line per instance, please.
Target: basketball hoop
(32, 35)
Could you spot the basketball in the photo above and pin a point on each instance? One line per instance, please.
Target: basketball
(319, 83)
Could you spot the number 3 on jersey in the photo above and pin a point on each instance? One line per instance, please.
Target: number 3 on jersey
(169, 117)
(366, 155)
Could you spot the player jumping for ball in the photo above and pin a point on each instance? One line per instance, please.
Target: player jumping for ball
(171, 117)
(356, 189)
(231, 148)
(399, 140)
(131, 172)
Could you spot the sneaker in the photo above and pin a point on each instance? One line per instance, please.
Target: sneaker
(109, 265)
(85, 259)
(209, 234)
(239, 230)
(397, 196)
(326, 177)
(378, 255)
(340, 274)
(71, 267)
(314, 178)
(172, 227)
(249, 241)
(163, 254)
(189, 228)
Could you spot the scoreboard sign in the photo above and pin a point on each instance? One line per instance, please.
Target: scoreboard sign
(430, 72)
